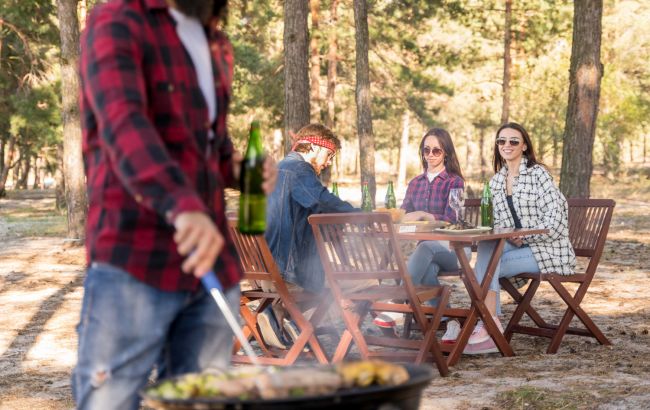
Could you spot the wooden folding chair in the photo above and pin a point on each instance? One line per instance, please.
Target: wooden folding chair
(356, 249)
(258, 265)
(588, 226)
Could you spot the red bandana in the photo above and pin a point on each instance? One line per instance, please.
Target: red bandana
(316, 141)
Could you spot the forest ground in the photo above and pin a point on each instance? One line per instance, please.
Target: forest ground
(41, 280)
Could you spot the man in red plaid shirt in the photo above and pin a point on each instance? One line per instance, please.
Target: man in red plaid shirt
(156, 81)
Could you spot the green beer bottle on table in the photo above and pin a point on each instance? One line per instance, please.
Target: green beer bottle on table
(486, 206)
(366, 201)
(335, 189)
(390, 200)
(252, 202)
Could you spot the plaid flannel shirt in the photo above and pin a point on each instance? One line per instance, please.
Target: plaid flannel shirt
(145, 142)
(432, 197)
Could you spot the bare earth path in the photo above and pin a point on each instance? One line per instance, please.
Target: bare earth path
(41, 288)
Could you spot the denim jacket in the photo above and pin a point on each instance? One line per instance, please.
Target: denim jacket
(298, 193)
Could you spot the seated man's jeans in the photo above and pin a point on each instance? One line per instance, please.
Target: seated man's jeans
(429, 258)
(127, 327)
(514, 260)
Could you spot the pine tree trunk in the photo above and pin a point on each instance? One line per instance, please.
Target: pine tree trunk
(73, 170)
(481, 150)
(15, 175)
(363, 98)
(4, 174)
(584, 94)
(330, 113)
(556, 148)
(24, 172)
(314, 69)
(296, 68)
(332, 56)
(403, 151)
(3, 144)
(507, 64)
(59, 180)
(37, 172)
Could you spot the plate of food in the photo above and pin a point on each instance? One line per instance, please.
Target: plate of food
(463, 229)
(420, 226)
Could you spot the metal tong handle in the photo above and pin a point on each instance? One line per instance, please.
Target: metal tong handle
(212, 285)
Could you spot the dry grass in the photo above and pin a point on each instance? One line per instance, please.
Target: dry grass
(40, 296)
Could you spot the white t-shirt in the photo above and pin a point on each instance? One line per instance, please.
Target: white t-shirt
(431, 176)
(192, 35)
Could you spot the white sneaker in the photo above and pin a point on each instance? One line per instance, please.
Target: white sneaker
(480, 333)
(270, 329)
(388, 319)
(453, 330)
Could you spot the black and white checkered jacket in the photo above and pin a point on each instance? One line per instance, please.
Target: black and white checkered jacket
(539, 204)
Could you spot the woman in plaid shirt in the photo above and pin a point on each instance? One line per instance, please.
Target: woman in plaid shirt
(427, 198)
(524, 196)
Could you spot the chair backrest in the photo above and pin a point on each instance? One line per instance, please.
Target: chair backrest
(359, 246)
(589, 221)
(254, 255)
(473, 211)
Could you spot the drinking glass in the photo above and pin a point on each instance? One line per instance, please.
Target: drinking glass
(457, 201)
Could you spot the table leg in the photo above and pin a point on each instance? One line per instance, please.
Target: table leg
(478, 294)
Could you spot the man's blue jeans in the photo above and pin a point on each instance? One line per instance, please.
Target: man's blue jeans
(127, 327)
(429, 258)
(514, 260)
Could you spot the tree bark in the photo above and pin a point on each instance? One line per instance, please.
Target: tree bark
(314, 70)
(296, 68)
(556, 148)
(24, 172)
(332, 56)
(507, 64)
(75, 185)
(4, 174)
(403, 151)
(37, 172)
(585, 75)
(59, 190)
(3, 144)
(363, 98)
(481, 150)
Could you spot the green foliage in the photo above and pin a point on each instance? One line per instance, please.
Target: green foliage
(29, 103)
(439, 60)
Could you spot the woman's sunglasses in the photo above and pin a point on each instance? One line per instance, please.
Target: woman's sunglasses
(436, 151)
(502, 141)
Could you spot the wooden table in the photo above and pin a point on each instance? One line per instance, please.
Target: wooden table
(477, 292)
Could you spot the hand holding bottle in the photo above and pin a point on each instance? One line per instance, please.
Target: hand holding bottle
(269, 173)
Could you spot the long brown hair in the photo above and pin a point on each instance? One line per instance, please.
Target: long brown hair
(444, 139)
(498, 160)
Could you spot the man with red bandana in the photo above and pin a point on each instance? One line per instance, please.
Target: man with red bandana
(298, 194)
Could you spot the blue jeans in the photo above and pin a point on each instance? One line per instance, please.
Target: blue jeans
(429, 258)
(513, 261)
(127, 327)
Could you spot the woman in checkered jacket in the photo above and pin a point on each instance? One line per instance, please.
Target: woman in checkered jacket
(524, 196)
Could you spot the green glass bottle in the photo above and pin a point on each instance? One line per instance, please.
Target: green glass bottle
(486, 206)
(366, 201)
(390, 200)
(252, 202)
(335, 189)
